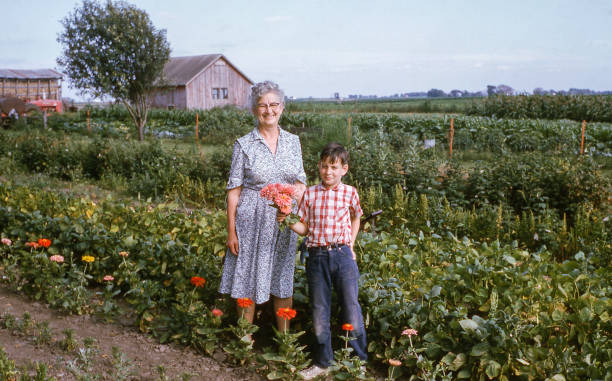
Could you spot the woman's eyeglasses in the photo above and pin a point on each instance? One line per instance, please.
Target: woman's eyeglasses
(273, 106)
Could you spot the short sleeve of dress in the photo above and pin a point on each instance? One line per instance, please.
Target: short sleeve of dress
(236, 174)
(302, 174)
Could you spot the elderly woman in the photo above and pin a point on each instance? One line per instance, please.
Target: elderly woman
(261, 258)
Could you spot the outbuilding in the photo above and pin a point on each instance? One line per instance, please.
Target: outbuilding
(202, 82)
(31, 84)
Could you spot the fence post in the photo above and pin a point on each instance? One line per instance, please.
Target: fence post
(88, 123)
(349, 129)
(45, 119)
(452, 133)
(582, 139)
(197, 127)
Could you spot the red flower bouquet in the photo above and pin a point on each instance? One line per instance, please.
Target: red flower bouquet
(281, 196)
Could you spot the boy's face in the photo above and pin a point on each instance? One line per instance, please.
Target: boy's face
(331, 173)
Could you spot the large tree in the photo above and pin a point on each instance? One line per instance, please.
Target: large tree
(114, 50)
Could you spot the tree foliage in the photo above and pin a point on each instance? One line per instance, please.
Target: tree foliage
(114, 50)
(436, 93)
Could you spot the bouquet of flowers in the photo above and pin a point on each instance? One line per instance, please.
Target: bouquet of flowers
(281, 196)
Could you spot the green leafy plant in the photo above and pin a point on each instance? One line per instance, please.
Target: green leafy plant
(240, 346)
(347, 366)
(290, 359)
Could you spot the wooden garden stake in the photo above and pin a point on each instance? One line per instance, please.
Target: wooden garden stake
(582, 139)
(349, 128)
(197, 127)
(452, 133)
(88, 124)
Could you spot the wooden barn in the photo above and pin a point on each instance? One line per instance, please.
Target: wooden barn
(31, 85)
(202, 82)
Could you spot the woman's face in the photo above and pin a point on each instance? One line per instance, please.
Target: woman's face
(268, 110)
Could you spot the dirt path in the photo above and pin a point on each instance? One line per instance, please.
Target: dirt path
(143, 353)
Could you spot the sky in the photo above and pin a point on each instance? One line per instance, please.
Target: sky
(315, 48)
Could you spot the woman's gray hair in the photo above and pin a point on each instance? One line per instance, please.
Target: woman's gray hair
(262, 88)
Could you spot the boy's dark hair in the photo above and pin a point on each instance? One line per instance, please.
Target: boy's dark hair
(335, 151)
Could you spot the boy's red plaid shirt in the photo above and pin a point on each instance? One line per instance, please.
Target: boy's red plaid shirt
(327, 213)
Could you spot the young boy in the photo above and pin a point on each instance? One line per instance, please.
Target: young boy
(329, 214)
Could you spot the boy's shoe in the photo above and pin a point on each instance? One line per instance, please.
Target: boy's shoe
(312, 372)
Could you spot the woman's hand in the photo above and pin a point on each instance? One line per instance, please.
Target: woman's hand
(280, 216)
(232, 242)
(233, 196)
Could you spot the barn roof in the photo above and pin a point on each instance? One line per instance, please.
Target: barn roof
(30, 74)
(179, 71)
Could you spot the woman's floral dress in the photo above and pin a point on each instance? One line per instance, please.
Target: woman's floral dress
(266, 258)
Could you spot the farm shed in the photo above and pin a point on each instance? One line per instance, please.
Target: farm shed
(202, 82)
(31, 84)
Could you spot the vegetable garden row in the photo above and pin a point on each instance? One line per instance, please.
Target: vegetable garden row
(501, 265)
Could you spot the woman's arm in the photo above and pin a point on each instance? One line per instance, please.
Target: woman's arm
(299, 191)
(233, 195)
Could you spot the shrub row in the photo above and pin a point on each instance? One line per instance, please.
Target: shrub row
(528, 181)
(145, 169)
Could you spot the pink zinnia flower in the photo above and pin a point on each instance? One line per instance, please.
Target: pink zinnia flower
(283, 200)
(108, 278)
(7, 242)
(287, 189)
(409, 332)
(217, 312)
(269, 192)
(32, 244)
(394, 362)
(56, 258)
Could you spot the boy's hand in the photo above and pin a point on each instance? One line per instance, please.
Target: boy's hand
(280, 216)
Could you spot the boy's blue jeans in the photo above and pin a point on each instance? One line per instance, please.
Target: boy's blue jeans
(334, 268)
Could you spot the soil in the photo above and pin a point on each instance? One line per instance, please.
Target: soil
(144, 353)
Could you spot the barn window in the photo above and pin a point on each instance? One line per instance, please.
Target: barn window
(219, 93)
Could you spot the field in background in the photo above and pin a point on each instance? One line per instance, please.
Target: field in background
(384, 105)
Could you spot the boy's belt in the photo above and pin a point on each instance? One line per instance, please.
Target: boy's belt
(316, 249)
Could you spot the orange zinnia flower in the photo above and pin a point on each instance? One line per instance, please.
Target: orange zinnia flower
(347, 327)
(44, 242)
(286, 313)
(198, 281)
(244, 302)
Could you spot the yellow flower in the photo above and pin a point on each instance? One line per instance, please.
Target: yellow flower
(88, 258)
